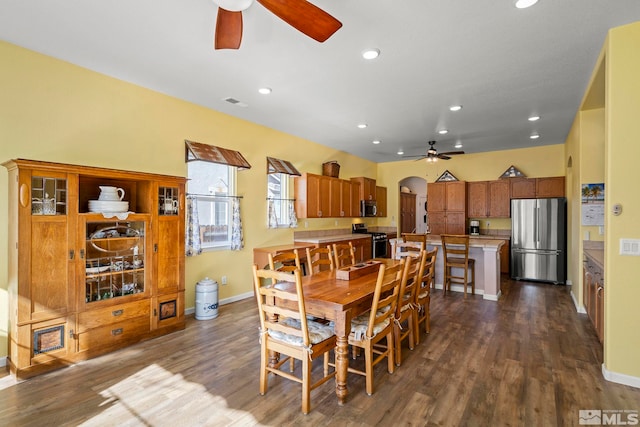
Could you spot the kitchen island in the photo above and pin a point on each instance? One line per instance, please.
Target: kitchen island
(485, 251)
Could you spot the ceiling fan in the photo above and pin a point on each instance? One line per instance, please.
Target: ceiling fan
(433, 155)
(300, 14)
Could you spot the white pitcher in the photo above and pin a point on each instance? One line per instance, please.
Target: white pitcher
(111, 193)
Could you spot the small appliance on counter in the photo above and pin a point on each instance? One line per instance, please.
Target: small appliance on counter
(474, 227)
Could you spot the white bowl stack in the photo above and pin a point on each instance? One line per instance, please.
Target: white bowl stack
(108, 206)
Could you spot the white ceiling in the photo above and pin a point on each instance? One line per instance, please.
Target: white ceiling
(501, 63)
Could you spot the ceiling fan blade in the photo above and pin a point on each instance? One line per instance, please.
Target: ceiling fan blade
(305, 17)
(228, 29)
(452, 153)
(443, 157)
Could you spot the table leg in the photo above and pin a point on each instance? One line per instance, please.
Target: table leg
(342, 330)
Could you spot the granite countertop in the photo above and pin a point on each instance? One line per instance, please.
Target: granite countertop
(474, 242)
(332, 238)
(595, 252)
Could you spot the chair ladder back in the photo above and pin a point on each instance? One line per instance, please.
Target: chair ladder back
(285, 261)
(408, 249)
(385, 296)
(345, 254)
(317, 258)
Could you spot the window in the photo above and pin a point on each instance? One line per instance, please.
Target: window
(211, 184)
(278, 193)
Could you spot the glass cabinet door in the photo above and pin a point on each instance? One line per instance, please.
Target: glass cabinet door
(115, 259)
(168, 201)
(48, 196)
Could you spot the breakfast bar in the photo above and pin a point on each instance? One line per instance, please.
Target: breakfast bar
(485, 251)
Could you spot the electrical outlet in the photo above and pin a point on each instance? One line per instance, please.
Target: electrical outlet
(336, 222)
(306, 224)
(223, 279)
(488, 224)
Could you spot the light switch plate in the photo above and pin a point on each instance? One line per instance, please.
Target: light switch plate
(630, 247)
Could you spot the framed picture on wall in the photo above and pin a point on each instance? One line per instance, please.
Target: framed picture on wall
(592, 204)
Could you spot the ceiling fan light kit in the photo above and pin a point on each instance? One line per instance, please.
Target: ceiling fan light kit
(233, 5)
(523, 4)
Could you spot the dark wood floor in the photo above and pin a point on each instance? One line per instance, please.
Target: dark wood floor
(527, 360)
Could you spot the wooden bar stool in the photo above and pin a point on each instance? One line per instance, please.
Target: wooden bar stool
(456, 255)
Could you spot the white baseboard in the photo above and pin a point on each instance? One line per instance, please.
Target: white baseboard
(579, 308)
(492, 297)
(3, 361)
(616, 377)
(460, 288)
(192, 310)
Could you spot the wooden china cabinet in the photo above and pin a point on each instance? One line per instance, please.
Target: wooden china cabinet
(85, 283)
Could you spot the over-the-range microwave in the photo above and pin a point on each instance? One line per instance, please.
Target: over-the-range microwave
(368, 208)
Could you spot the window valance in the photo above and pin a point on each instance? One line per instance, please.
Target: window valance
(213, 154)
(281, 166)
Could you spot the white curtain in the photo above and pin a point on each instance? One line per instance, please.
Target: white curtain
(271, 215)
(193, 245)
(237, 239)
(293, 220)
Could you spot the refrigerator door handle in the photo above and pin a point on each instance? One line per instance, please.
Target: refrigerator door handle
(536, 251)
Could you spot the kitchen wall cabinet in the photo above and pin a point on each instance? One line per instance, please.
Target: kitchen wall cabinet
(320, 196)
(407, 212)
(488, 199)
(381, 201)
(529, 188)
(80, 283)
(367, 187)
(447, 207)
(550, 187)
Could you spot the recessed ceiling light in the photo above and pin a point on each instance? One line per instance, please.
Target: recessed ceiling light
(376, 141)
(362, 125)
(443, 131)
(458, 145)
(534, 118)
(455, 108)
(534, 136)
(371, 53)
(400, 152)
(523, 4)
(265, 90)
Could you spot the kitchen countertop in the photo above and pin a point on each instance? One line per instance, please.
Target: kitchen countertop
(595, 252)
(332, 238)
(474, 241)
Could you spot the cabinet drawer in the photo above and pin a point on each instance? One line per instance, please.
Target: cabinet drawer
(110, 315)
(114, 334)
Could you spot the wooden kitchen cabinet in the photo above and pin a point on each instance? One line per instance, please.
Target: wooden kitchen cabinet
(504, 258)
(550, 187)
(447, 207)
(499, 199)
(407, 212)
(593, 294)
(82, 284)
(477, 199)
(320, 196)
(530, 188)
(381, 201)
(367, 187)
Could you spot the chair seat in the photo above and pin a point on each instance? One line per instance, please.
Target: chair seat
(360, 324)
(423, 293)
(318, 332)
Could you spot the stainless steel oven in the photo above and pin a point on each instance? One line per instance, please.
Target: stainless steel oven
(378, 240)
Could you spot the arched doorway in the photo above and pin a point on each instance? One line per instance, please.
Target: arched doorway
(417, 190)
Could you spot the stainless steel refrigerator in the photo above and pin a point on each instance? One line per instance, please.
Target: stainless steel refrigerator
(539, 239)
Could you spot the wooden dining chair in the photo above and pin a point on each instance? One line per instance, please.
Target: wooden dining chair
(344, 254)
(406, 313)
(423, 294)
(287, 261)
(368, 330)
(401, 248)
(455, 251)
(414, 237)
(319, 259)
(287, 331)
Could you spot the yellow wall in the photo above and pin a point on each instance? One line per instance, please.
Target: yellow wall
(54, 111)
(592, 157)
(622, 151)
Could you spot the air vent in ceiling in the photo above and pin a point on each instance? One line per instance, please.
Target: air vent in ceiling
(235, 102)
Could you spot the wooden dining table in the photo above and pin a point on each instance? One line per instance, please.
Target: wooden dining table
(327, 297)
